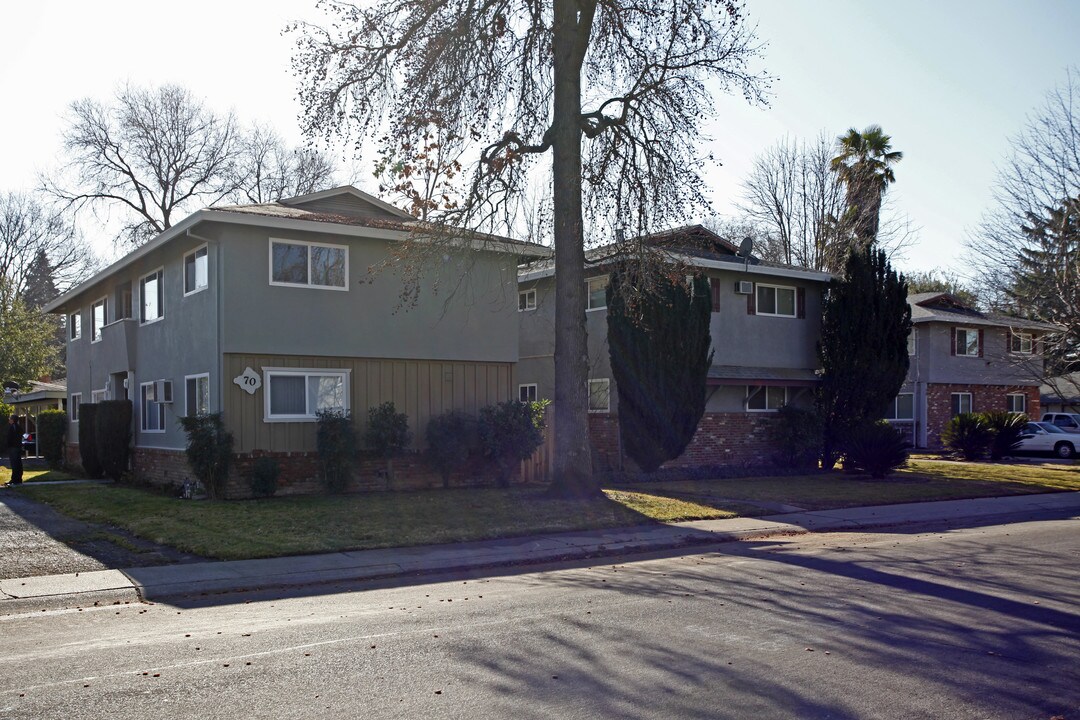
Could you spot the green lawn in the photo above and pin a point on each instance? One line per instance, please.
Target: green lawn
(37, 475)
(297, 525)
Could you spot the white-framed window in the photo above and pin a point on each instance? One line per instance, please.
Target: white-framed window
(75, 325)
(776, 300)
(1022, 343)
(197, 394)
(765, 398)
(1016, 402)
(600, 395)
(902, 407)
(98, 317)
(152, 297)
(596, 290)
(526, 300)
(294, 394)
(305, 264)
(73, 406)
(196, 275)
(98, 396)
(967, 342)
(153, 412)
(961, 403)
(527, 393)
(911, 342)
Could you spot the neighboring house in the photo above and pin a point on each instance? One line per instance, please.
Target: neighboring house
(40, 397)
(765, 325)
(963, 360)
(269, 313)
(1061, 394)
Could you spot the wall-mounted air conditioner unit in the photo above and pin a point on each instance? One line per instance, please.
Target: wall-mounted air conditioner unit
(163, 391)
(744, 287)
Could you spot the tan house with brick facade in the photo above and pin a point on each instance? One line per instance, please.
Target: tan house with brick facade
(963, 360)
(766, 321)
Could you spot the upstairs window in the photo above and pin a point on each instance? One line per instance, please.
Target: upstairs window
(309, 264)
(776, 300)
(75, 325)
(98, 314)
(596, 289)
(152, 294)
(967, 342)
(1022, 343)
(196, 275)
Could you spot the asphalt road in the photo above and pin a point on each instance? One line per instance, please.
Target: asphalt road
(969, 623)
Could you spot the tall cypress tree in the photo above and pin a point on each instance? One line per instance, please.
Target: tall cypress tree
(659, 342)
(865, 324)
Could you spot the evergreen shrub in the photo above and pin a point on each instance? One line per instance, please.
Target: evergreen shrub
(112, 436)
(876, 448)
(88, 452)
(265, 472)
(387, 434)
(51, 427)
(968, 434)
(451, 437)
(510, 432)
(209, 451)
(797, 435)
(335, 440)
(1006, 427)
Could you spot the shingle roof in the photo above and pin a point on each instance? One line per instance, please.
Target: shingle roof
(745, 375)
(943, 307)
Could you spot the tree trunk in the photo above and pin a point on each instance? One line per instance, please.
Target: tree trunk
(573, 462)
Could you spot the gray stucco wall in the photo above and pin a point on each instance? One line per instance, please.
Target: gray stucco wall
(470, 318)
(738, 338)
(934, 363)
(181, 343)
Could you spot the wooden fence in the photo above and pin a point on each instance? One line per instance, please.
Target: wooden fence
(537, 469)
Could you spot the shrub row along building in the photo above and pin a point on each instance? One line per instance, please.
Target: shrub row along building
(268, 313)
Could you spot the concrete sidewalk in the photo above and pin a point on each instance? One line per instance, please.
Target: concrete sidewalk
(174, 581)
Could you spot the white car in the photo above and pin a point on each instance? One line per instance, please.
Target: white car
(1069, 422)
(1044, 437)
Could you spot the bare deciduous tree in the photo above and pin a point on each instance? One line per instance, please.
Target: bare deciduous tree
(266, 170)
(152, 152)
(30, 229)
(1025, 251)
(614, 91)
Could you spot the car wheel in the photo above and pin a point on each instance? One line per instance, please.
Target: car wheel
(1064, 450)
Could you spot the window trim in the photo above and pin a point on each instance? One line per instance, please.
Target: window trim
(607, 381)
(72, 325)
(1014, 336)
(104, 302)
(308, 245)
(160, 272)
(206, 247)
(535, 392)
(526, 293)
(971, 402)
(766, 409)
(268, 372)
(794, 302)
(588, 294)
(104, 395)
(142, 410)
(956, 342)
(196, 376)
(1023, 397)
(74, 403)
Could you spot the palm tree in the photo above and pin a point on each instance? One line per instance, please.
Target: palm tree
(864, 165)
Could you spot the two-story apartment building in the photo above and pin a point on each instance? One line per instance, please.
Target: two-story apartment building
(963, 360)
(270, 313)
(766, 321)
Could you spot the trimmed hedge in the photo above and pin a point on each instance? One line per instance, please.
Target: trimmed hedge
(51, 427)
(113, 436)
(88, 449)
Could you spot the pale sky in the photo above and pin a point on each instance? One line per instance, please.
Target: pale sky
(950, 80)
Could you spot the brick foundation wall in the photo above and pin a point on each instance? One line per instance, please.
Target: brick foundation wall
(300, 473)
(984, 398)
(737, 439)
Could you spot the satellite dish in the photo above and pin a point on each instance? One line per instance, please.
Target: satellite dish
(746, 247)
